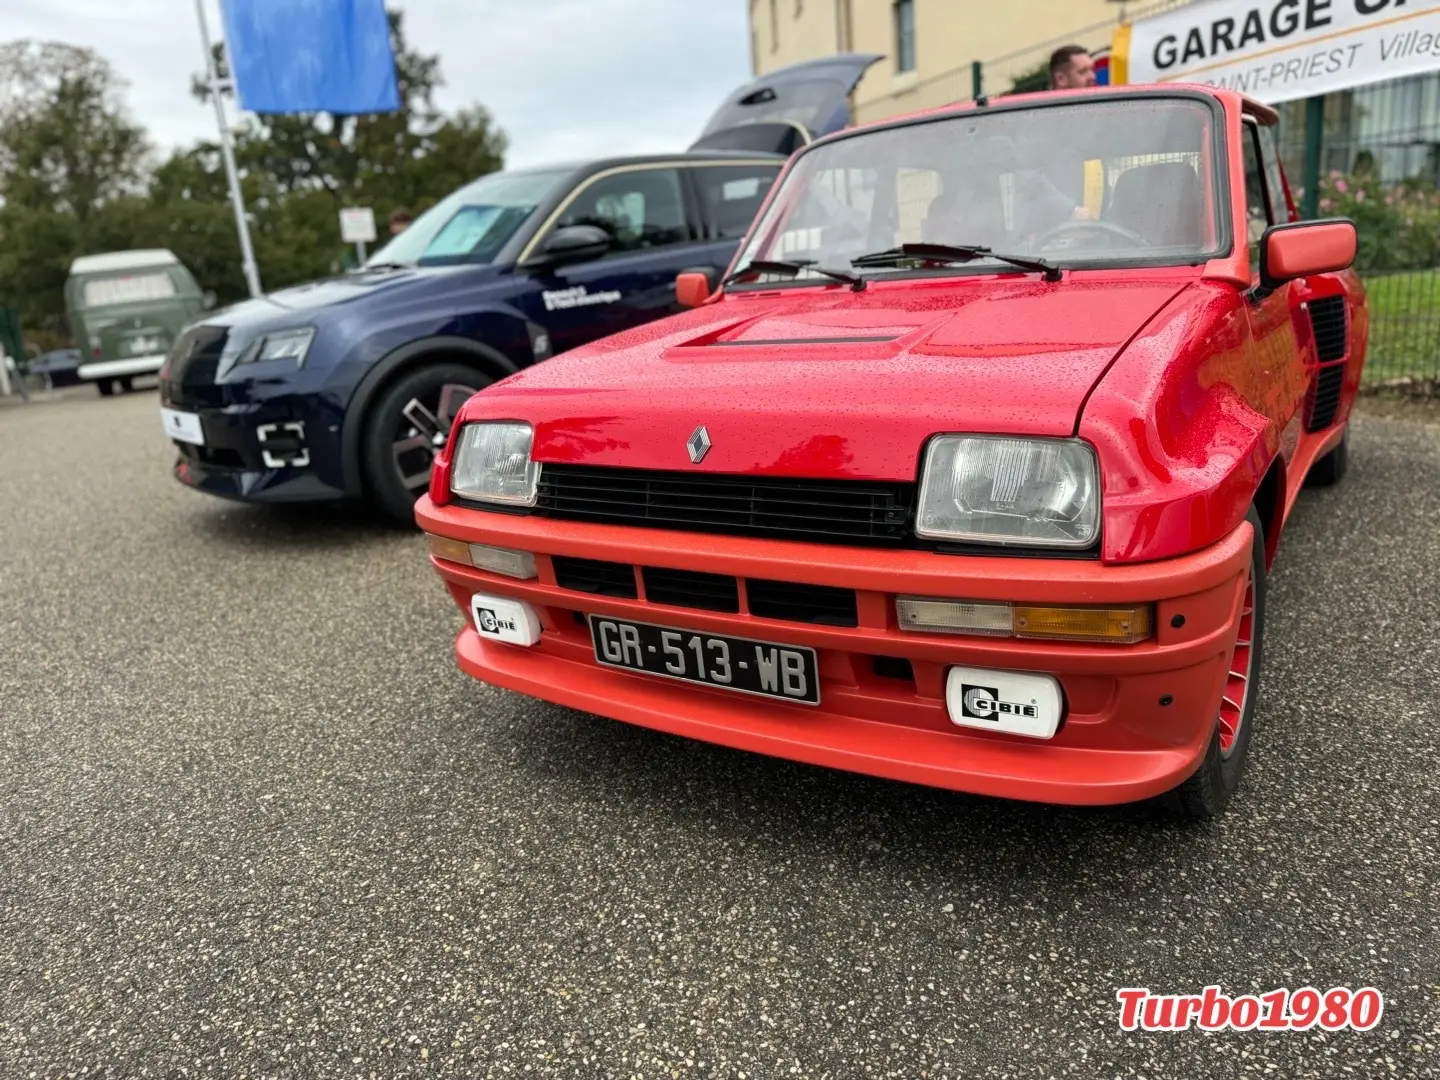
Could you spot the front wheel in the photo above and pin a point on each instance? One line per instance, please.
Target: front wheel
(407, 427)
(1206, 794)
(106, 387)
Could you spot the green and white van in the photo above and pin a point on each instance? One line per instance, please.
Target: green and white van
(126, 307)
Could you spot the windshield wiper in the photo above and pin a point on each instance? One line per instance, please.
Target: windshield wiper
(794, 269)
(383, 266)
(953, 253)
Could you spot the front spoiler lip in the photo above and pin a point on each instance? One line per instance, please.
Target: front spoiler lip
(265, 486)
(1021, 769)
(1136, 747)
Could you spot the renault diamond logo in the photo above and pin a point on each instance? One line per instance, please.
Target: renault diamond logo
(699, 445)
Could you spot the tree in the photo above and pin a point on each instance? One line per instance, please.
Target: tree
(76, 176)
(67, 149)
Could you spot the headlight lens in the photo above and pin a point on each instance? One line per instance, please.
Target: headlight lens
(492, 463)
(989, 490)
(283, 345)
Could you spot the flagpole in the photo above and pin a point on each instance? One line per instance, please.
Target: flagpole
(227, 152)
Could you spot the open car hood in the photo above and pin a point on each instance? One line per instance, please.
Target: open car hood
(781, 111)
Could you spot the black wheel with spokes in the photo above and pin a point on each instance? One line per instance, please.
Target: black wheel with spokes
(407, 428)
(1207, 792)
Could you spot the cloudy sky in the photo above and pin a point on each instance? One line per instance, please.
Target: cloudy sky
(564, 78)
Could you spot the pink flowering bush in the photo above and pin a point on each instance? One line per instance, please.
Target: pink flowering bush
(1399, 224)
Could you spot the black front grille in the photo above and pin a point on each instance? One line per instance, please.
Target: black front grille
(192, 366)
(1328, 384)
(824, 511)
(1327, 317)
(819, 604)
(593, 576)
(219, 458)
(689, 588)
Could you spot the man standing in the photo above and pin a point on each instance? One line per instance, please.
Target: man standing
(401, 219)
(1071, 67)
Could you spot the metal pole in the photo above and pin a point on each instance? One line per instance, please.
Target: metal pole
(227, 152)
(1314, 137)
(977, 79)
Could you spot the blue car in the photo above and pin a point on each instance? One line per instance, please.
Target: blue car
(346, 388)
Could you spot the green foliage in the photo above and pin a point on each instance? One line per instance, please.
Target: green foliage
(76, 176)
(1399, 224)
(1034, 80)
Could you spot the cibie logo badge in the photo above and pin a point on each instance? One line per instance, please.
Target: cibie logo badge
(983, 703)
(491, 623)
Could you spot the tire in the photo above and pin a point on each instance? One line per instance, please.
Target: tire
(125, 384)
(1330, 469)
(406, 427)
(106, 387)
(1207, 792)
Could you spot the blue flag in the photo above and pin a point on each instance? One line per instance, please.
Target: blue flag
(294, 56)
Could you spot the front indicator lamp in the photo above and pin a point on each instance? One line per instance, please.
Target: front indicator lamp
(1112, 625)
(515, 564)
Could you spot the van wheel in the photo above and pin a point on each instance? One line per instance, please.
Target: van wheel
(407, 428)
(125, 384)
(106, 387)
(1206, 794)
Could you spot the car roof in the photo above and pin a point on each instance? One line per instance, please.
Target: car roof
(123, 260)
(1266, 115)
(684, 157)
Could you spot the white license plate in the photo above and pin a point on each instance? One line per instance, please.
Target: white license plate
(183, 426)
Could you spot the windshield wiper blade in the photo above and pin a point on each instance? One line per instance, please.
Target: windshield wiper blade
(794, 269)
(954, 253)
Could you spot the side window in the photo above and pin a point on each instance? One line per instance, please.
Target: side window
(1274, 182)
(1257, 212)
(640, 210)
(733, 195)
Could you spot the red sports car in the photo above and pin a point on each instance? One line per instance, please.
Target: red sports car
(969, 474)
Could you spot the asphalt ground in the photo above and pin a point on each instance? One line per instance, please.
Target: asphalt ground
(253, 822)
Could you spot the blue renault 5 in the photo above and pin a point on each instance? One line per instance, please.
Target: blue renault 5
(346, 388)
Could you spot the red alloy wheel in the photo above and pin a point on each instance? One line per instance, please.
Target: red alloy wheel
(1237, 683)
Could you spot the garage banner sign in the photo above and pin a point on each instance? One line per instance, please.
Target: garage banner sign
(1280, 50)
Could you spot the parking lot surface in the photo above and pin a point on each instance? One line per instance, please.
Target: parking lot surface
(253, 822)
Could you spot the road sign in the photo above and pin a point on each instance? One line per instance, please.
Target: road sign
(357, 225)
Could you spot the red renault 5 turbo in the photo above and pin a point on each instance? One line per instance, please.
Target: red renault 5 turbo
(970, 475)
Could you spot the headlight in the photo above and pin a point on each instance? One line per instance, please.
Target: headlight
(492, 462)
(1025, 492)
(282, 345)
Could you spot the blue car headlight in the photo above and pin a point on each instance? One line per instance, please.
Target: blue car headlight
(281, 345)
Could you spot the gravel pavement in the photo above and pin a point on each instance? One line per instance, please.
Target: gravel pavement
(254, 823)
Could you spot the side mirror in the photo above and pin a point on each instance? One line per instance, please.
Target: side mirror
(209, 299)
(1305, 247)
(572, 244)
(694, 287)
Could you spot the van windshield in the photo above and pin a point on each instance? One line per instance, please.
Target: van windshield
(1106, 182)
(471, 224)
(127, 289)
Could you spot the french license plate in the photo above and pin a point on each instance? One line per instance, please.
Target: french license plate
(183, 426)
(787, 672)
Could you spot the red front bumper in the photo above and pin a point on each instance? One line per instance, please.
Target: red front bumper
(1138, 717)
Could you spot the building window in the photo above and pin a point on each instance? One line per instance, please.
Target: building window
(904, 35)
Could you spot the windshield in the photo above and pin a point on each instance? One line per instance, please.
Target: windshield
(1095, 183)
(473, 223)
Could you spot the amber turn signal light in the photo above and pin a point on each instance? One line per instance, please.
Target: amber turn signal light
(1116, 625)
